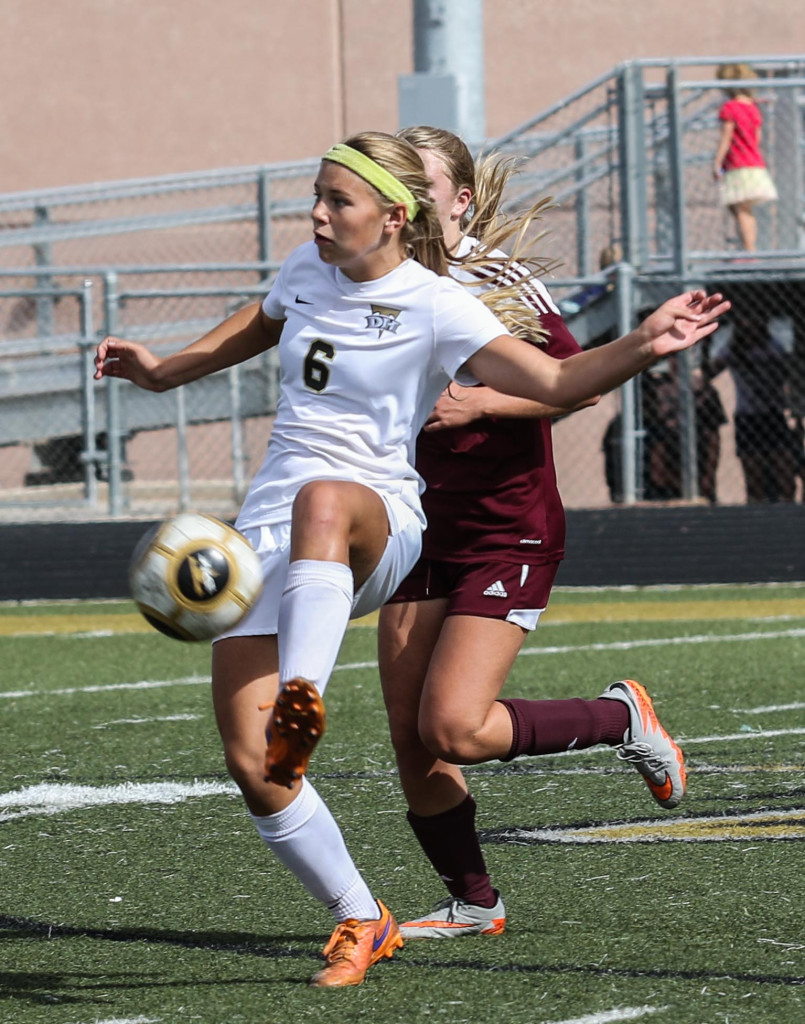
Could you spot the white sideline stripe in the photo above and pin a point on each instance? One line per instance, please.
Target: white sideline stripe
(797, 706)
(53, 798)
(758, 734)
(670, 641)
(608, 1016)
(630, 645)
(620, 645)
(143, 684)
(148, 721)
(684, 741)
(129, 1020)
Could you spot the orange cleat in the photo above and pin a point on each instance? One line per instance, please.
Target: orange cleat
(648, 746)
(295, 726)
(354, 946)
(454, 917)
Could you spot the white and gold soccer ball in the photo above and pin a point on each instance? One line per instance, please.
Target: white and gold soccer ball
(194, 577)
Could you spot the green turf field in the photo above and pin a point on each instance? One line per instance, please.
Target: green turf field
(135, 890)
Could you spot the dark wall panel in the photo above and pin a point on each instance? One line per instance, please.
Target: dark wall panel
(612, 547)
(649, 546)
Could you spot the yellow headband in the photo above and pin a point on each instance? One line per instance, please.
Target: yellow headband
(384, 181)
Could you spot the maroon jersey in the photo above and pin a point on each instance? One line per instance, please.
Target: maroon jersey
(491, 485)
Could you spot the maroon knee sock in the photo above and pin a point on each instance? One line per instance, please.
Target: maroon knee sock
(451, 845)
(551, 726)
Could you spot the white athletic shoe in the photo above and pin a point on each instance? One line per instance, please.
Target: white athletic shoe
(454, 917)
(648, 746)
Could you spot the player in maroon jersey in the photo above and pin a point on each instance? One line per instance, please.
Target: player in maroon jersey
(495, 537)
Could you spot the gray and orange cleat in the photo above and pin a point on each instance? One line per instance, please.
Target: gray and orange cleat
(454, 917)
(354, 946)
(295, 726)
(648, 746)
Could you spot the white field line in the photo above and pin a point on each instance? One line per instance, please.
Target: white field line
(50, 799)
(621, 645)
(128, 1020)
(754, 735)
(669, 641)
(685, 741)
(610, 1016)
(143, 684)
(797, 706)
(631, 645)
(148, 721)
(54, 797)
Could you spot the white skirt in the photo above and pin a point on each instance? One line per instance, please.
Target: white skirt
(747, 184)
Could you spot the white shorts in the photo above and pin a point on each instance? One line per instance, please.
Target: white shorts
(273, 545)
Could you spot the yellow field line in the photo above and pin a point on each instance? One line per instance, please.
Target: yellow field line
(73, 622)
(588, 612)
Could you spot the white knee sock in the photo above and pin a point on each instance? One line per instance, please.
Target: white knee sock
(313, 615)
(307, 840)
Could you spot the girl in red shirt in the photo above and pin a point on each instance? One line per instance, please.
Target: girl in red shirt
(738, 164)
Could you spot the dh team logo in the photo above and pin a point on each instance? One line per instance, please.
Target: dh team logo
(383, 318)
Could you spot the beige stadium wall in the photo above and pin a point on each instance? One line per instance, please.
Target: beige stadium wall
(98, 90)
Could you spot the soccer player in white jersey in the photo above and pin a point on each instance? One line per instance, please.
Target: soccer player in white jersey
(370, 331)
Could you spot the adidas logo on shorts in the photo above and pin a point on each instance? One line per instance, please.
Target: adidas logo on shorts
(496, 589)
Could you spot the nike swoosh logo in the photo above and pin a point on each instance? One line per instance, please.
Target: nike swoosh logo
(303, 302)
(380, 939)
(664, 791)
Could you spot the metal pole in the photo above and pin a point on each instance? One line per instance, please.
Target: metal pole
(582, 210)
(632, 155)
(677, 173)
(114, 459)
(688, 444)
(449, 40)
(89, 455)
(238, 457)
(44, 306)
(689, 483)
(272, 371)
(787, 166)
(263, 215)
(182, 453)
(624, 285)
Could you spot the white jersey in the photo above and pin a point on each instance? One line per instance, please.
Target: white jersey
(361, 367)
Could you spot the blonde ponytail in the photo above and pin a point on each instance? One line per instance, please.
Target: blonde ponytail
(500, 282)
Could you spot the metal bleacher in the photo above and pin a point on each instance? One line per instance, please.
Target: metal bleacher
(627, 160)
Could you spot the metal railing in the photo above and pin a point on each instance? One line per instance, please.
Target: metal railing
(627, 159)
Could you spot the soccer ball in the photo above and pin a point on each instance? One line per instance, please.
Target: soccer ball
(194, 577)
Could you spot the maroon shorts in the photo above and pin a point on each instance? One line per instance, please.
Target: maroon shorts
(490, 590)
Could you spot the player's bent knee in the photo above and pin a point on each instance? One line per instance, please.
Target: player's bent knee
(319, 499)
(455, 746)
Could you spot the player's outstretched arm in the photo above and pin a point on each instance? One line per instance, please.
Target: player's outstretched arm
(517, 368)
(244, 334)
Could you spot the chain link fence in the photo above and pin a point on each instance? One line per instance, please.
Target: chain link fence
(637, 218)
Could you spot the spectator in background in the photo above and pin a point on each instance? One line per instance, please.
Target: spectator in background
(590, 293)
(738, 165)
(663, 425)
(757, 350)
(662, 449)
